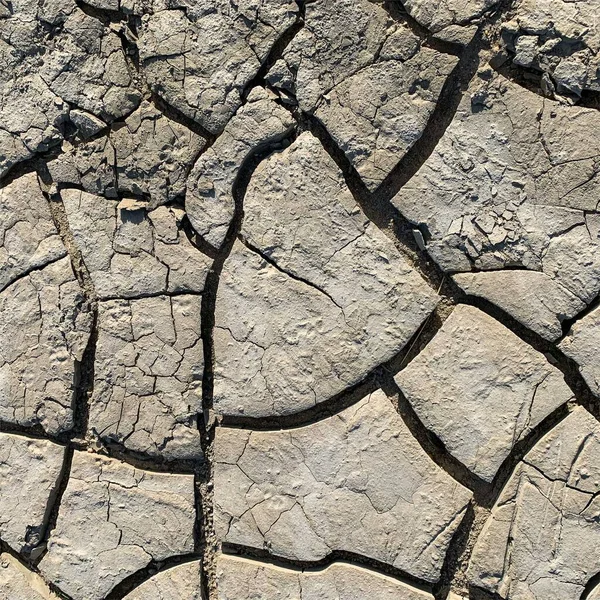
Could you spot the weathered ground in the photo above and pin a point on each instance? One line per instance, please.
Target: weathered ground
(299, 300)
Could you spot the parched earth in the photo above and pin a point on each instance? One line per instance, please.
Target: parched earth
(299, 300)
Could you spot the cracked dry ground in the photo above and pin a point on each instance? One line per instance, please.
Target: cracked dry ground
(299, 300)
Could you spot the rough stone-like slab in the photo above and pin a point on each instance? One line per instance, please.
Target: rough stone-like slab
(44, 329)
(542, 539)
(113, 520)
(131, 251)
(182, 582)
(337, 41)
(531, 297)
(29, 473)
(303, 493)
(28, 237)
(560, 40)
(446, 16)
(242, 579)
(582, 344)
(19, 583)
(376, 115)
(54, 58)
(148, 154)
(86, 66)
(35, 127)
(326, 298)
(199, 59)
(506, 186)
(148, 375)
(369, 80)
(481, 389)
(209, 202)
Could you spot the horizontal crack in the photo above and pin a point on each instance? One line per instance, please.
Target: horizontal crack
(152, 569)
(336, 556)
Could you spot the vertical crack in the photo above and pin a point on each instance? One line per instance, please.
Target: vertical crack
(84, 371)
(53, 507)
(207, 542)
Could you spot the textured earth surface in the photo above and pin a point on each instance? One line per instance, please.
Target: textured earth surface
(299, 300)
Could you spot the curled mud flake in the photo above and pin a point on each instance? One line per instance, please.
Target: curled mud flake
(557, 43)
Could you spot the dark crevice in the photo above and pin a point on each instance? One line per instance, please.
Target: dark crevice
(178, 116)
(445, 109)
(476, 593)
(590, 99)
(5, 548)
(276, 51)
(207, 542)
(486, 494)
(71, 135)
(84, 379)
(567, 324)
(376, 207)
(454, 555)
(197, 240)
(489, 496)
(532, 79)
(105, 15)
(264, 256)
(150, 570)
(151, 295)
(569, 368)
(61, 186)
(590, 586)
(31, 270)
(323, 410)
(53, 503)
(32, 431)
(397, 11)
(127, 31)
(379, 377)
(430, 442)
(144, 461)
(333, 557)
(54, 506)
(30, 165)
(85, 369)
